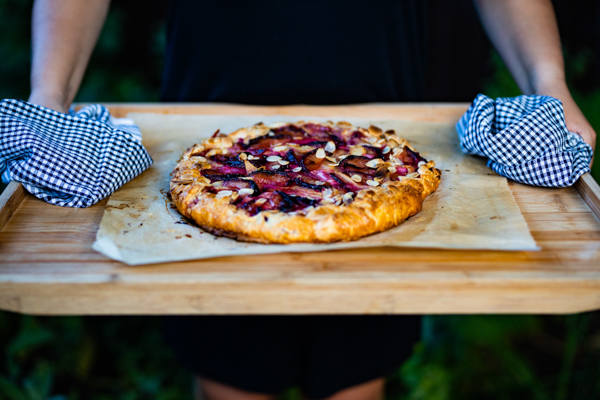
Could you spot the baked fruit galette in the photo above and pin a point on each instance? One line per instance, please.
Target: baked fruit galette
(301, 182)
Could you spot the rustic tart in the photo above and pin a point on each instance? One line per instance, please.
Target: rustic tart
(301, 182)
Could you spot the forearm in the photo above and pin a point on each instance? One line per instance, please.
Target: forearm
(526, 35)
(64, 33)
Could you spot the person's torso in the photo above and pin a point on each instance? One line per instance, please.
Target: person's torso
(288, 52)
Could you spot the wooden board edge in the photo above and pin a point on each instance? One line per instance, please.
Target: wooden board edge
(10, 200)
(589, 191)
(121, 299)
(450, 112)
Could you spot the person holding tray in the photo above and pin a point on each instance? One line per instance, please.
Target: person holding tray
(312, 52)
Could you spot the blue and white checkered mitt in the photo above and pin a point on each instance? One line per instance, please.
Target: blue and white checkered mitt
(526, 139)
(68, 160)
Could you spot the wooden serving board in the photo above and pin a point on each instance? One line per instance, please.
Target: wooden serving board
(47, 265)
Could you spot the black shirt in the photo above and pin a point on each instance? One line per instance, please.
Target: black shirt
(276, 52)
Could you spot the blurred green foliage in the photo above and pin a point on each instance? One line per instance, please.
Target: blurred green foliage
(97, 358)
(460, 357)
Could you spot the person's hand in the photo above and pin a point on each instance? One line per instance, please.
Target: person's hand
(576, 121)
(51, 101)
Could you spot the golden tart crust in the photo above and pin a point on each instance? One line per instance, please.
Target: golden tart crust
(382, 204)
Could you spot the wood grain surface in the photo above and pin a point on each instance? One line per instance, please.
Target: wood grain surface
(590, 192)
(10, 199)
(47, 265)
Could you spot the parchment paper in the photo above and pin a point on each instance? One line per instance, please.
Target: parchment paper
(472, 209)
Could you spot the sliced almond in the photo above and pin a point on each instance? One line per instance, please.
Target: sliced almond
(224, 193)
(357, 151)
(249, 167)
(421, 163)
(217, 184)
(251, 157)
(381, 171)
(330, 147)
(320, 153)
(375, 162)
(276, 166)
(375, 130)
(372, 183)
(273, 158)
(320, 183)
(246, 191)
(386, 149)
(283, 162)
(297, 169)
(200, 158)
(305, 149)
(211, 153)
(347, 198)
(356, 178)
(260, 201)
(243, 156)
(280, 148)
(332, 159)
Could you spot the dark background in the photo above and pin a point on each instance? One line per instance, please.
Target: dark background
(460, 357)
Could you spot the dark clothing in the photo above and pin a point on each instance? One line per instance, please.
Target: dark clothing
(320, 354)
(276, 52)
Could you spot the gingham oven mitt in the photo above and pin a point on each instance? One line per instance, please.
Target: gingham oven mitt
(525, 139)
(72, 160)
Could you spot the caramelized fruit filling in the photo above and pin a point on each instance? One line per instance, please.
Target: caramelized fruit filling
(293, 168)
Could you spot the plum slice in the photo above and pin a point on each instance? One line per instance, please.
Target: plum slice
(289, 129)
(372, 151)
(358, 164)
(304, 184)
(313, 143)
(293, 203)
(277, 200)
(291, 157)
(215, 175)
(409, 157)
(266, 141)
(228, 160)
(237, 184)
(311, 162)
(355, 138)
(346, 183)
(270, 179)
(302, 192)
